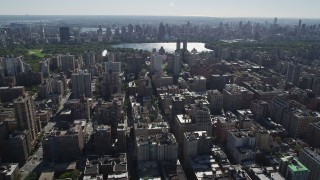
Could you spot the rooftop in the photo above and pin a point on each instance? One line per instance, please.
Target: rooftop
(165, 138)
(297, 166)
(8, 169)
(184, 119)
(214, 92)
(195, 135)
(46, 176)
(243, 133)
(235, 89)
(103, 128)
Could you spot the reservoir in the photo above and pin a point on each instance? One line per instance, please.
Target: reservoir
(168, 47)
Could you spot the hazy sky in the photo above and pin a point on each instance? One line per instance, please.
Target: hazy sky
(216, 8)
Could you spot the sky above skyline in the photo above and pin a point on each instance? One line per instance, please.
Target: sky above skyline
(214, 8)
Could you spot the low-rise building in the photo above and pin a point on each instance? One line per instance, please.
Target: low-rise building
(292, 168)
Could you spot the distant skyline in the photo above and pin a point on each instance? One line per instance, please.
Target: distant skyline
(212, 8)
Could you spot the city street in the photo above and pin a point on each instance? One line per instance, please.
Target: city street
(63, 101)
(35, 159)
(32, 163)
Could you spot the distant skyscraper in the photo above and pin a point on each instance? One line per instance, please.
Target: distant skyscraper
(162, 32)
(178, 45)
(130, 28)
(42, 32)
(185, 49)
(275, 21)
(81, 84)
(123, 30)
(185, 45)
(64, 34)
(99, 31)
(300, 22)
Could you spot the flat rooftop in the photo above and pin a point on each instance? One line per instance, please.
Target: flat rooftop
(184, 119)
